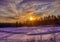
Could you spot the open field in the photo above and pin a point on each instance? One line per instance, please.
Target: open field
(30, 34)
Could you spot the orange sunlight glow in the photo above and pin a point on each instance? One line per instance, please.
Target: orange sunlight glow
(31, 18)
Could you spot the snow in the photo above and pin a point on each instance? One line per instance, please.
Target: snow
(23, 33)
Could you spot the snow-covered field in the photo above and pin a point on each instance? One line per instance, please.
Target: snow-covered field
(22, 34)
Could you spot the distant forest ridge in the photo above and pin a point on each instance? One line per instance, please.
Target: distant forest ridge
(46, 20)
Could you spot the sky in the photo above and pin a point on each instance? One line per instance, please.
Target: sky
(13, 10)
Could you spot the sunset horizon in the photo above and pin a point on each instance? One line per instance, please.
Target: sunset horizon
(29, 20)
(13, 10)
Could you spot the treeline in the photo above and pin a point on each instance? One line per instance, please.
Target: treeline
(46, 20)
(7, 24)
(10, 25)
(50, 20)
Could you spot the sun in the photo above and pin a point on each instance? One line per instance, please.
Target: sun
(31, 18)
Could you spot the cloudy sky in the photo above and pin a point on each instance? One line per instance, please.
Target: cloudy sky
(12, 10)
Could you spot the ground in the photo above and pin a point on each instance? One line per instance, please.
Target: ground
(23, 33)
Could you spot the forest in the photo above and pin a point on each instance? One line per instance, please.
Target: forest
(45, 21)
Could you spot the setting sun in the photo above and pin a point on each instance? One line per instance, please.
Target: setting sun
(32, 18)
